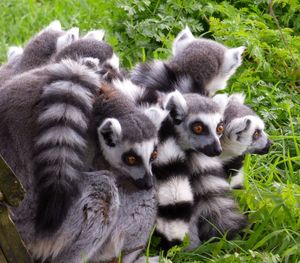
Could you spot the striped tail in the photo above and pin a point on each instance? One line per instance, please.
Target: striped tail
(216, 212)
(175, 197)
(66, 105)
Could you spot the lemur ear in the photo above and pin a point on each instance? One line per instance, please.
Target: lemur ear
(238, 97)
(176, 105)
(110, 131)
(221, 100)
(96, 34)
(68, 38)
(156, 115)
(232, 59)
(182, 40)
(14, 51)
(114, 62)
(243, 125)
(54, 25)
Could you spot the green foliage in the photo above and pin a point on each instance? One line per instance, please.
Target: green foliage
(270, 77)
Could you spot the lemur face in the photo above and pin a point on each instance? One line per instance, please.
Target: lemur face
(246, 134)
(198, 123)
(131, 159)
(243, 129)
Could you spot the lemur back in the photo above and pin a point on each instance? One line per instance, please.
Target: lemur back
(38, 51)
(200, 65)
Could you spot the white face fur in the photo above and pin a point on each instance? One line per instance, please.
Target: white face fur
(197, 131)
(231, 61)
(133, 160)
(245, 135)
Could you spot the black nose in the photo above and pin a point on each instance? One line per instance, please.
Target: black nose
(211, 150)
(145, 183)
(264, 150)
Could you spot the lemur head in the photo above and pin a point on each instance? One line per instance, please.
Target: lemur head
(197, 122)
(243, 129)
(207, 62)
(127, 136)
(89, 47)
(45, 44)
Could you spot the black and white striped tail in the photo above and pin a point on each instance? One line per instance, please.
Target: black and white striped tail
(66, 104)
(174, 193)
(216, 212)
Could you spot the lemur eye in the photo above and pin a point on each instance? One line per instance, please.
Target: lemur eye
(131, 160)
(220, 128)
(256, 134)
(153, 155)
(197, 128)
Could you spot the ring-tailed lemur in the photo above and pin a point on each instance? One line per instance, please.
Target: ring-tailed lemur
(243, 133)
(176, 138)
(128, 141)
(200, 65)
(38, 51)
(44, 116)
(69, 147)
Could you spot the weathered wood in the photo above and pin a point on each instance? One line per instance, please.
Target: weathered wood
(10, 241)
(10, 186)
(2, 258)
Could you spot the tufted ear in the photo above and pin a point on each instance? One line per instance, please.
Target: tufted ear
(221, 100)
(175, 103)
(68, 38)
(156, 115)
(114, 61)
(110, 131)
(54, 25)
(13, 52)
(182, 40)
(233, 59)
(238, 97)
(96, 34)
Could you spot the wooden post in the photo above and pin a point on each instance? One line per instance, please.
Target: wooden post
(12, 248)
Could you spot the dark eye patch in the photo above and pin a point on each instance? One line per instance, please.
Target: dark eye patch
(129, 154)
(205, 130)
(257, 134)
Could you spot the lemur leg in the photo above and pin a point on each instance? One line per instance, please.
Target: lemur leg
(88, 224)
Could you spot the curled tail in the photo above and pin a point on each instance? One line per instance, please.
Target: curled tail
(66, 105)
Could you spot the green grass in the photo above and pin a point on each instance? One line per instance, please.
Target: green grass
(270, 77)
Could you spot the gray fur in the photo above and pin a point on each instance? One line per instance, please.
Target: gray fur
(92, 215)
(207, 62)
(87, 47)
(36, 53)
(215, 213)
(137, 202)
(241, 122)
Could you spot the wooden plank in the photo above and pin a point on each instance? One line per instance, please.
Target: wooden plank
(11, 244)
(10, 186)
(2, 258)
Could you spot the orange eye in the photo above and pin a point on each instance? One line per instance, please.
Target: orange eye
(131, 160)
(198, 128)
(153, 155)
(256, 134)
(220, 129)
